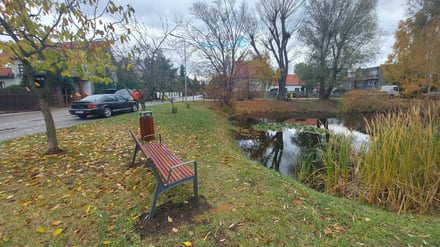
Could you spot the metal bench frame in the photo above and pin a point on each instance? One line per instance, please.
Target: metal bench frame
(169, 170)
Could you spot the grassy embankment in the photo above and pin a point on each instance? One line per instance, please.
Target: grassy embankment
(87, 197)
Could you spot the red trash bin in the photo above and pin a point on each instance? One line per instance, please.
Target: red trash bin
(147, 125)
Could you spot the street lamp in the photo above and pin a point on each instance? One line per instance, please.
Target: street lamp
(184, 61)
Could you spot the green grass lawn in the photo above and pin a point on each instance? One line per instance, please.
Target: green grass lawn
(87, 197)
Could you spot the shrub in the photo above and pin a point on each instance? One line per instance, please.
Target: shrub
(363, 101)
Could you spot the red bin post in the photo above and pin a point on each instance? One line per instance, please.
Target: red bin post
(146, 125)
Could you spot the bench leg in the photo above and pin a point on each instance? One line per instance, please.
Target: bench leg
(153, 204)
(195, 183)
(136, 149)
(196, 190)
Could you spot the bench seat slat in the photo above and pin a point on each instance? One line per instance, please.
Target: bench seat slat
(164, 160)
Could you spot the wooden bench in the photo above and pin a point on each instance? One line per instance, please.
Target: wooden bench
(168, 169)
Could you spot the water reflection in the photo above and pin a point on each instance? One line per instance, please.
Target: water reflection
(278, 150)
(284, 150)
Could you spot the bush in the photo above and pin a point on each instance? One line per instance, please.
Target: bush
(363, 101)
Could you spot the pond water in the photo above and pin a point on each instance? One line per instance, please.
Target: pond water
(284, 150)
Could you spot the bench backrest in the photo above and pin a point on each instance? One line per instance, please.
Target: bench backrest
(161, 161)
(138, 142)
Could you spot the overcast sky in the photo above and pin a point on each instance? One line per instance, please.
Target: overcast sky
(389, 12)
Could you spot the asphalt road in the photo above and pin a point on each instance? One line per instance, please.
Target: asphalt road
(27, 123)
(13, 125)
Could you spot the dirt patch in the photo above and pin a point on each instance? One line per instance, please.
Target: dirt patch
(169, 216)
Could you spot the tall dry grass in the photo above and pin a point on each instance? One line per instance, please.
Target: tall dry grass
(401, 169)
(336, 156)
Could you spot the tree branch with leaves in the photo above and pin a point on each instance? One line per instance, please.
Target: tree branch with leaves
(50, 35)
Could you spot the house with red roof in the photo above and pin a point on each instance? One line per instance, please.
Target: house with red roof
(248, 82)
(11, 73)
(294, 87)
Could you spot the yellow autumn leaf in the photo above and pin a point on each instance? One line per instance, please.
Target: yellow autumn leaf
(106, 242)
(41, 229)
(57, 232)
(136, 217)
(87, 209)
(37, 84)
(187, 244)
(65, 196)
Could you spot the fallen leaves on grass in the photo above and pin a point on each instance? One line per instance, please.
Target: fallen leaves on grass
(335, 229)
(85, 179)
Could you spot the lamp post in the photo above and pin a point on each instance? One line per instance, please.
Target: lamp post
(184, 62)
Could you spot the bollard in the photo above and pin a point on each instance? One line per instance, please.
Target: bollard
(146, 125)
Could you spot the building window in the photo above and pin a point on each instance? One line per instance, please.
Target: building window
(20, 69)
(371, 83)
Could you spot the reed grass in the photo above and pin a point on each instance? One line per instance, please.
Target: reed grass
(401, 169)
(311, 170)
(336, 153)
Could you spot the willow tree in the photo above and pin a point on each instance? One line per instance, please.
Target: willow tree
(52, 35)
(339, 34)
(416, 52)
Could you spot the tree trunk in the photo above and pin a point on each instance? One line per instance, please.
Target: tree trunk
(322, 89)
(282, 85)
(52, 142)
(328, 92)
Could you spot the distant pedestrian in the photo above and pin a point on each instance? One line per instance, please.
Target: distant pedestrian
(142, 97)
(135, 94)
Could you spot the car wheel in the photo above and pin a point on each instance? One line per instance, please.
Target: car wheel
(134, 108)
(82, 116)
(107, 112)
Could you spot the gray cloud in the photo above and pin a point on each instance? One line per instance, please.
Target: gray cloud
(150, 12)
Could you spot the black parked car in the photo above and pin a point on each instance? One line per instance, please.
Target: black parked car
(104, 105)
